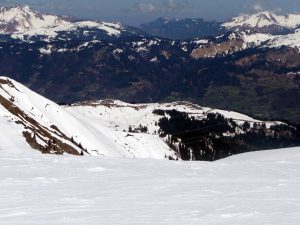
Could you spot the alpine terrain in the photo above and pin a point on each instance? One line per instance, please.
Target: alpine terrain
(266, 22)
(23, 24)
(70, 61)
(177, 121)
(178, 130)
(263, 22)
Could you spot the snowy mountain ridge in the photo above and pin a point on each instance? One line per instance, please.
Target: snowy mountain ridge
(263, 20)
(21, 19)
(263, 40)
(107, 127)
(50, 128)
(23, 23)
(290, 40)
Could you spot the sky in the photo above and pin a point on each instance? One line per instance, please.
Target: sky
(134, 12)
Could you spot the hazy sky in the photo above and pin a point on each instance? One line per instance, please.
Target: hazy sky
(135, 12)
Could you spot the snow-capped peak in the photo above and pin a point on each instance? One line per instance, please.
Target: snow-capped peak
(21, 18)
(264, 19)
(23, 23)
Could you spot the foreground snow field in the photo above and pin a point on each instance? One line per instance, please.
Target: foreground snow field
(255, 188)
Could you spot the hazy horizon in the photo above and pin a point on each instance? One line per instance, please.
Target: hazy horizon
(134, 12)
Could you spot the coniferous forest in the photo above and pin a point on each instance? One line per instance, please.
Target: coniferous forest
(215, 137)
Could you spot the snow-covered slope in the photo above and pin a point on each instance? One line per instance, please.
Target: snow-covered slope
(290, 40)
(121, 116)
(50, 33)
(252, 39)
(31, 119)
(263, 20)
(250, 189)
(108, 128)
(20, 19)
(35, 120)
(23, 23)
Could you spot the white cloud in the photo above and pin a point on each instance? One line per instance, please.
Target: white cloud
(146, 7)
(164, 7)
(174, 5)
(257, 7)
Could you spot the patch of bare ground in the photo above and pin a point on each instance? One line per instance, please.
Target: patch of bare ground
(212, 49)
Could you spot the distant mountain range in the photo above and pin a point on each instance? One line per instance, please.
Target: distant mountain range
(24, 24)
(263, 22)
(183, 28)
(66, 60)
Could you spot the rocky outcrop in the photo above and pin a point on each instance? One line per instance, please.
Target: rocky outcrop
(212, 50)
(39, 137)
